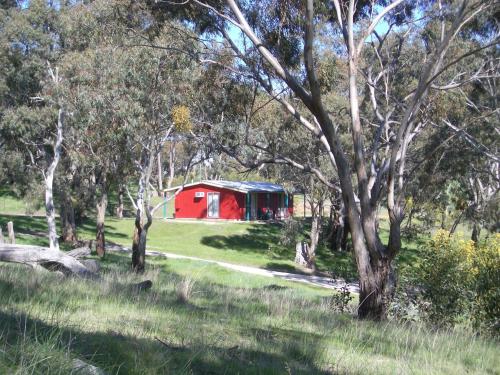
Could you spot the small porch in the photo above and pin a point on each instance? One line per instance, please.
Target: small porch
(267, 206)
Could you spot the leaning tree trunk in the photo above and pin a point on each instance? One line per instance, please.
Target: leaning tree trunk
(101, 206)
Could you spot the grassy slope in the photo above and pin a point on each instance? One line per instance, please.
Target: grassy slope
(232, 323)
(228, 325)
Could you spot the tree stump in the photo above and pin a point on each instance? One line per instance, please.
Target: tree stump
(12, 236)
(302, 253)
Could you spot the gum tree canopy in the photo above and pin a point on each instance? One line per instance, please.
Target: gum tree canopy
(388, 61)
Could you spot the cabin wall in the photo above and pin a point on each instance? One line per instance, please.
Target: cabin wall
(231, 204)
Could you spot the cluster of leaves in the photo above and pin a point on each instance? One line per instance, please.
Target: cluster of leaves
(456, 282)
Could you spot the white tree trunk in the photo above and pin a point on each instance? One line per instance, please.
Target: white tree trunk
(49, 182)
(171, 165)
(10, 229)
(160, 174)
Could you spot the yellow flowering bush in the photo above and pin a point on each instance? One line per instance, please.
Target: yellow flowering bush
(460, 279)
(181, 118)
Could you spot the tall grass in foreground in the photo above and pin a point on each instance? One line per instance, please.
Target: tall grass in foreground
(252, 327)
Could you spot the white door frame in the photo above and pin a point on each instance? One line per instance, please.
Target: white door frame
(217, 207)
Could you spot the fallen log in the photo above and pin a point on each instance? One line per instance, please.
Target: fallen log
(52, 260)
(79, 252)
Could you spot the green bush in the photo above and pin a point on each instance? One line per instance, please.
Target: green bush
(459, 281)
(486, 307)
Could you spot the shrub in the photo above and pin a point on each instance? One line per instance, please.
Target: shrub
(460, 281)
(446, 277)
(339, 301)
(486, 307)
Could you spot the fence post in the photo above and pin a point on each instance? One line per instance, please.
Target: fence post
(10, 229)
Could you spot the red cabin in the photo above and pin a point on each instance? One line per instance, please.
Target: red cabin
(232, 200)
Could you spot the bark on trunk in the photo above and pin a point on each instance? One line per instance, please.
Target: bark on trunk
(476, 231)
(49, 182)
(101, 206)
(139, 247)
(377, 290)
(171, 165)
(339, 230)
(50, 213)
(314, 234)
(119, 208)
(67, 218)
(160, 175)
(339, 234)
(12, 235)
(143, 210)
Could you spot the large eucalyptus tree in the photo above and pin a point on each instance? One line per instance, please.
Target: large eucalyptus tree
(391, 56)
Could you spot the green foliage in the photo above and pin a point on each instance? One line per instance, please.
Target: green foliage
(460, 280)
(339, 301)
(486, 306)
(446, 277)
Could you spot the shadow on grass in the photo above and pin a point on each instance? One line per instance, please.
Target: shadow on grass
(125, 354)
(37, 226)
(284, 267)
(258, 239)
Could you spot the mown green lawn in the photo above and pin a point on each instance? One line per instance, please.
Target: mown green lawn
(225, 323)
(252, 244)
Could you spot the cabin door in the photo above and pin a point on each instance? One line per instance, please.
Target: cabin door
(213, 205)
